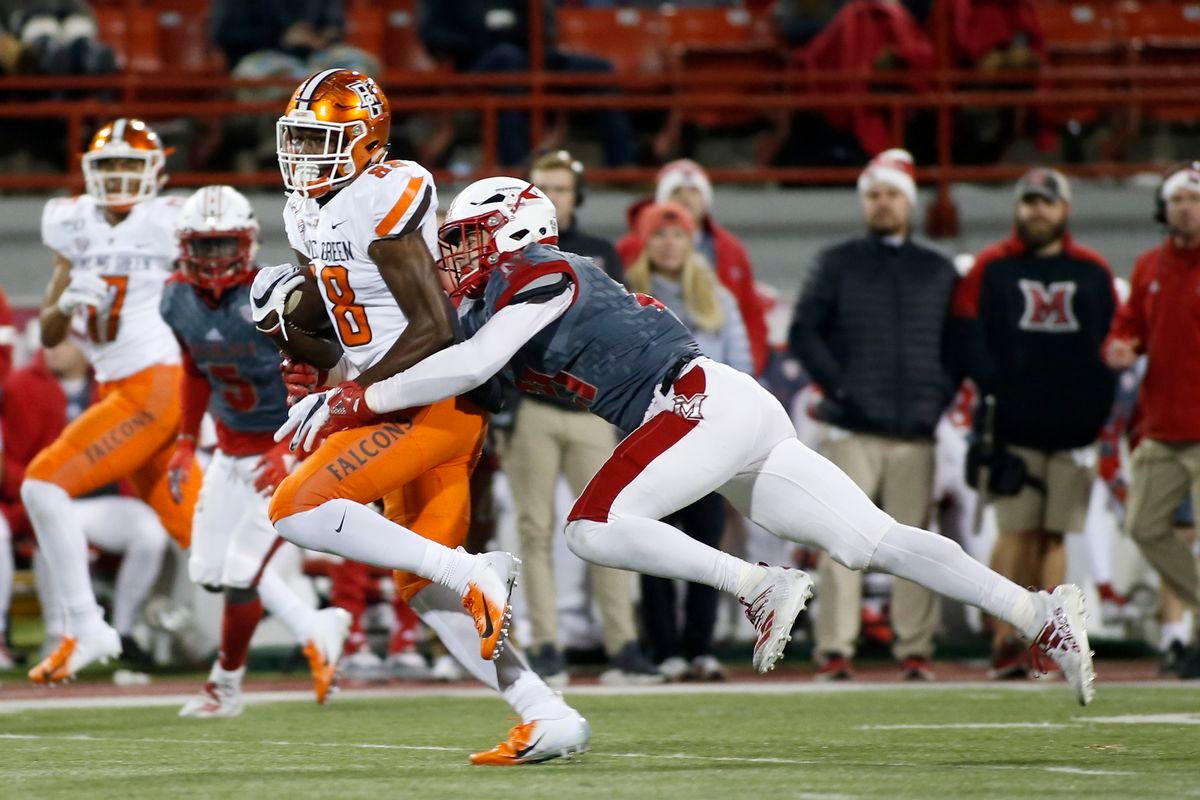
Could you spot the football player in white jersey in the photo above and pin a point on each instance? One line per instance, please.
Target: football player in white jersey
(366, 228)
(232, 372)
(113, 249)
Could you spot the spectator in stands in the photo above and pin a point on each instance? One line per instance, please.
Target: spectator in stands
(1037, 308)
(57, 37)
(493, 36)
(865, 36)
(685, 182)
(551, 438)
(298, 28)
(871, 329)
(1162, 321)
(672, 271)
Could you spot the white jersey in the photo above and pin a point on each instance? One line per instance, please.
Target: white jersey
(393, 199)
(134, 257)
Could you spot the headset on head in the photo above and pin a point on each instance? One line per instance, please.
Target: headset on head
(571, 163)
(1160, 202)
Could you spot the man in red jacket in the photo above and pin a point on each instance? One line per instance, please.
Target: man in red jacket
(1162, 321)
(685, 182)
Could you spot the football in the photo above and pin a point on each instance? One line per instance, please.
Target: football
(304, 309)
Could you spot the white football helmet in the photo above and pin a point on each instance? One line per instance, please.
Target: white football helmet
(488, 220)
(218, 238)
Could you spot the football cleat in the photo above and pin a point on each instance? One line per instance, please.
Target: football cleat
(835, 667)
(324, 648)
(772, 607)
(221, 696)
(100, 644)
(487, 599)
(1064, 639)
(540, 740)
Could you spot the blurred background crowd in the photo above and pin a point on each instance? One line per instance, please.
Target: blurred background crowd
(1022, 385)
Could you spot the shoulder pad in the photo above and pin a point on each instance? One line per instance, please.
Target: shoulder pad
(536, 283)
(401, 197)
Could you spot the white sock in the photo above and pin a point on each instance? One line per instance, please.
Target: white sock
(227, 676)
(655, 548)
(285, 605)
(53, 618)
(1172, 632)
(940, 565)
(6, 573)
(440, 608)
(61, 540)
(353, 531)
(140, 565)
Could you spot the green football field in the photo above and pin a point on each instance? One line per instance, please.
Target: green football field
(778, 741)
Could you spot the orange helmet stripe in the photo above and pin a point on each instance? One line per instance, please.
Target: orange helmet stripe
(401, 207)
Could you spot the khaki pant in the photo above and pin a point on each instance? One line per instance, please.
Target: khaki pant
(547, 441)
(898, 476)
(1062, 506)
(1163, 474)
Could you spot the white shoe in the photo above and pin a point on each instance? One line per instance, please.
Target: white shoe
(447, 670)
(410, 666)
(674, 668)
(1064, 638)
(489, 588)
(221, 696)
(324, 648)
(101, 644)
(540, 740)
(772, 607)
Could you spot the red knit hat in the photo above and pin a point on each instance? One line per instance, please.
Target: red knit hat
(656, 216)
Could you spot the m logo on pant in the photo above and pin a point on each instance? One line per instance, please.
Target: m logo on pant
(1048, 307)
(689, 407)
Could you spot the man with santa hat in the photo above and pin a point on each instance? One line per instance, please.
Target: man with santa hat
(871, 329)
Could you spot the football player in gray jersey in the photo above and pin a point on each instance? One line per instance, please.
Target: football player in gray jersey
(537, 315)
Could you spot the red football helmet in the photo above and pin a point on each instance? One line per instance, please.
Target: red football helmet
(218, 237)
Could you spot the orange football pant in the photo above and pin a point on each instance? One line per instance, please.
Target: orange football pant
(419, 465)
(129, 433)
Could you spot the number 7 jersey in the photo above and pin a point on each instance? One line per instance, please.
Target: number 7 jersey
(134, 257)
(389, 200)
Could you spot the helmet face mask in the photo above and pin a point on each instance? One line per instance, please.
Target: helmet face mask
(124, 165)
(488, 221)
(218, 239)
(335, 126)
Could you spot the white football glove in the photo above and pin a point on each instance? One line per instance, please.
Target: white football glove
(268, 293)
(305, 419)
(85, 289)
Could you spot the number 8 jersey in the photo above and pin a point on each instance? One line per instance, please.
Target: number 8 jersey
(389, 200)
(134, 258)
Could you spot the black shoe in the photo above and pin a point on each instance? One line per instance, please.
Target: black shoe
(548, 662)
(1172, 658)
(630, 667)
(1189, 665)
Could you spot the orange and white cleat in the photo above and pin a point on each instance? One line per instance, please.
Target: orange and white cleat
(324, 648)
(74, 653)
(540, 740)
(487, 599)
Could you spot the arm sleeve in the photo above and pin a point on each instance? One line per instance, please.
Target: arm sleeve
(735, 346)
(811, 322)
(194, 397)
(1130, 319)
(464, 366)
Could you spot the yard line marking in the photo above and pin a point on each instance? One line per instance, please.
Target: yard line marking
(1082, 771)
(1143, 719)
(691, 757)
(934, 726)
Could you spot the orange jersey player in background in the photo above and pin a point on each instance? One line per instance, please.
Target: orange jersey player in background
(113, 249)
(366, 228)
